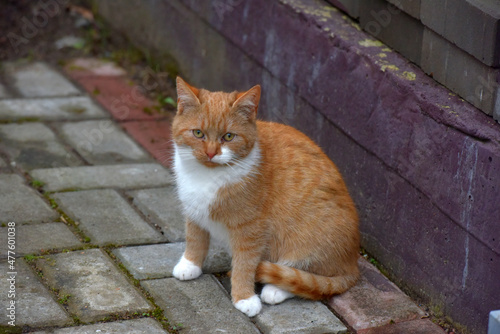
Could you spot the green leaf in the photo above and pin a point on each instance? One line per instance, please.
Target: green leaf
(170, 101)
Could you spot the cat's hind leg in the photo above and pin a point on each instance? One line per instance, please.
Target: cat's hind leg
(271, 294)
(197, 243)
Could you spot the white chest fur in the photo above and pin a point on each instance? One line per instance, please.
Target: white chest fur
(198, 185)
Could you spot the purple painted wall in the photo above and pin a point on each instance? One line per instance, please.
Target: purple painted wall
(422, 165)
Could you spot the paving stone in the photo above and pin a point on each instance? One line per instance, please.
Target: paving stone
(201, 305)
(124, 99)
(93, 67)
(298, 316)
(162, 207)
(460, 72)
(158, 261)
(136, 326)
(494, 322)
(4, 167)
(34, 145)
(64, 108)
(472, 25)
(38, 80)
(21, 204)
(295, 315)
(154, 136)
(35, 306)
(106, 217)
(393, 27)
(115, 176)
(374, 301)
(36, 238)
(421, 326)
(3, 92)
(103, 142)
(95, 286)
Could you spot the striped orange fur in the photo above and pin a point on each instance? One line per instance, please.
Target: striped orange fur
(270, 193)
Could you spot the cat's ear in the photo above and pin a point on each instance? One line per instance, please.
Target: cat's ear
(187, 95)
(247, 102)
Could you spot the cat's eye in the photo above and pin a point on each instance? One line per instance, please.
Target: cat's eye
(198, 134)
(229, 136)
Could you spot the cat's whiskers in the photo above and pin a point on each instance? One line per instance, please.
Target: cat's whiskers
(245, 165)
(228, 164)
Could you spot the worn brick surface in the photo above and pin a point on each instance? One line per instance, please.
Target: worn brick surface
(128, 176)
(39, 237)
(393, 27)
(298, 316)
(34, 304)
(38, 79)
(374, 301)
(472, 25)
(154, 136)
(201, 305)
(65, 108)
(103, 142)
(83, 67)
(136, 326)
(158, 261)
(16, 197)
(106, 217)
(294, 315)
(95, 286)
(421, 326)
(34, 145)
(162, 207)
(462, 73)
(121, 97)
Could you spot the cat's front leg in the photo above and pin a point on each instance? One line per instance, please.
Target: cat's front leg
(247, 253)
(197, 243)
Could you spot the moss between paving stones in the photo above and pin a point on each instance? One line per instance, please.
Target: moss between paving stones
(157, 313)
(10, 329)
(63, 217)
(69, 222)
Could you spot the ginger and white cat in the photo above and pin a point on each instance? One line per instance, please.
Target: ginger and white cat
(268, 193)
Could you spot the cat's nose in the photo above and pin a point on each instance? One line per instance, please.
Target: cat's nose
(211, 155)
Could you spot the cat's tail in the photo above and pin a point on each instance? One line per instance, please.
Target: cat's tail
(302, 283)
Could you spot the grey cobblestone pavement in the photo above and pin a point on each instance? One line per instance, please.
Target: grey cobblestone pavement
(98, 229)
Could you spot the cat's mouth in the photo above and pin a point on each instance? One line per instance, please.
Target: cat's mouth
(211, 164)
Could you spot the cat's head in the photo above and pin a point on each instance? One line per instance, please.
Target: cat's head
(216, 128)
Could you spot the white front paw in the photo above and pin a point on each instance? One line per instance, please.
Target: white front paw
(271, 294)
(250, 306)
(186, 270)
